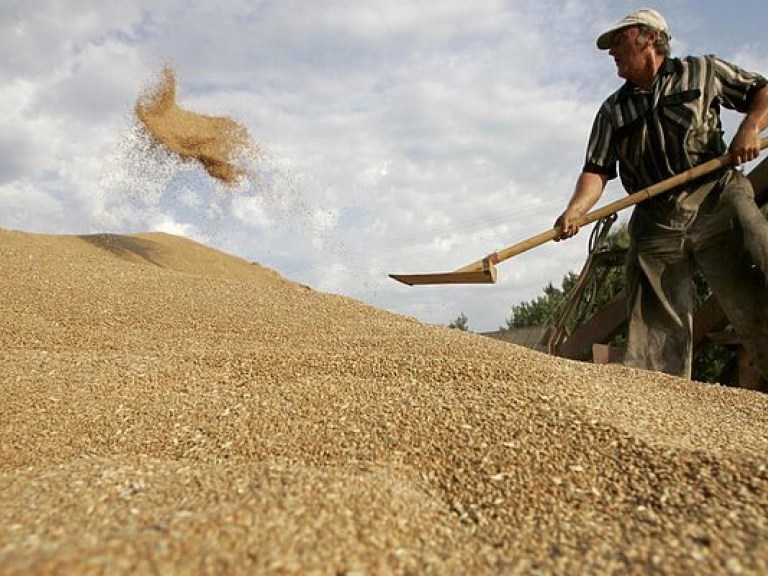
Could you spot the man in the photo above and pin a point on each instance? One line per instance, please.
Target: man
(663, 121)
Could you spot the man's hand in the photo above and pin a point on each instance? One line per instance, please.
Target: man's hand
(589, 188)
(746, 144)
(565, 226)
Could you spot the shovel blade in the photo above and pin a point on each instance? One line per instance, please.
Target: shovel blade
(481, 276)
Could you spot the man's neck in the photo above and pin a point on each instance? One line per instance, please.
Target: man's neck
(647, 75)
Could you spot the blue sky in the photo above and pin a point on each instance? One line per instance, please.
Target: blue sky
(395, 136)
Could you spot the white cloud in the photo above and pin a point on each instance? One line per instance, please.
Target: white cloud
(167, 224)
(97, 85)
(396, 136)
(35, 37)
(252, 212)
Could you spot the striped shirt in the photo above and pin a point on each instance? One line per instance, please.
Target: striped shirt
(655, 134)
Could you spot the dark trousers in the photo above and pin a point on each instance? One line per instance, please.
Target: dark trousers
(717, 225)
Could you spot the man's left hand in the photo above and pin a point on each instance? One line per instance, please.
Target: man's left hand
(746, 144)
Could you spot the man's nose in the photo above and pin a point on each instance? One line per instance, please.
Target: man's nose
(615, 41)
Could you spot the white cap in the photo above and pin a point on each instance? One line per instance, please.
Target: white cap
(644, 17)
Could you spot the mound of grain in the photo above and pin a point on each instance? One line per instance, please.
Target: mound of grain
(170, 409)
(212, 141)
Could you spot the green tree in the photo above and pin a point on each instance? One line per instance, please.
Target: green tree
(540, 310)
(461, 323)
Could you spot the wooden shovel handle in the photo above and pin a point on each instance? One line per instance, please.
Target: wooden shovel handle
(664, 186)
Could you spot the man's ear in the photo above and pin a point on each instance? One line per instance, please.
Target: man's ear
(650, 39)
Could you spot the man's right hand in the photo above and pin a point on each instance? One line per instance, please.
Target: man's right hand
(565, 226)
(589, 188)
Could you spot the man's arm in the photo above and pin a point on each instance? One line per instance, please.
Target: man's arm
(589, 189)
(746, 143)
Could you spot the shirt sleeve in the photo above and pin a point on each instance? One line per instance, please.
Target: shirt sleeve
(735, 87)
(601, 154)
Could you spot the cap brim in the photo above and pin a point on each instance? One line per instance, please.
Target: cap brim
(606, 38)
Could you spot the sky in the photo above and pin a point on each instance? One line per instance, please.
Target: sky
(397, 136)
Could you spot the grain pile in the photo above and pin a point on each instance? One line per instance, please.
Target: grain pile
(169, 409)
(214, 142)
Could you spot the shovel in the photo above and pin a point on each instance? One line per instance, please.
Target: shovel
(484, 271)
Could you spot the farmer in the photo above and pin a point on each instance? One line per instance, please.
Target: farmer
(663, 121)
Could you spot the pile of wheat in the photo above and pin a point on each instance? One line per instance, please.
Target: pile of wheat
(166, 408)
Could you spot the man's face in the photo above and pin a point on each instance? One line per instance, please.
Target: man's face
(628, 51)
